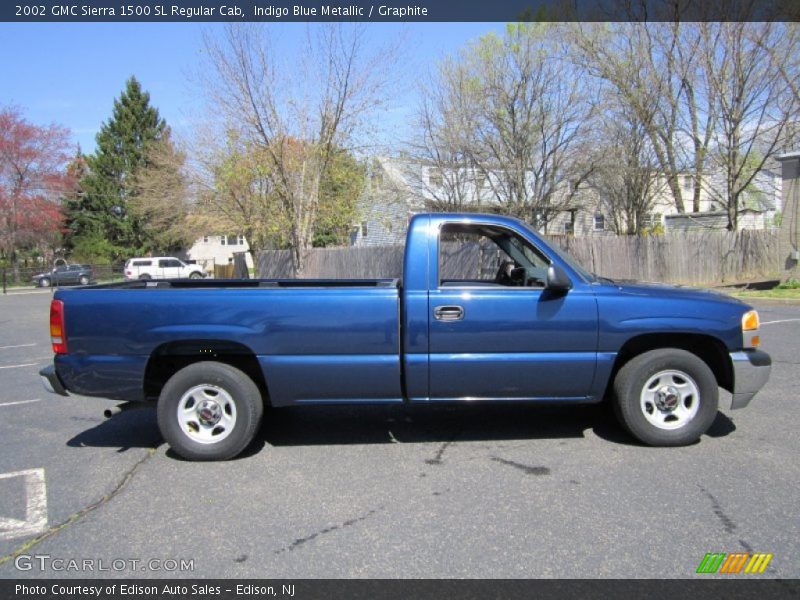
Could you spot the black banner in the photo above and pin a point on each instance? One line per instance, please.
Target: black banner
(322, 589)
(272, 11)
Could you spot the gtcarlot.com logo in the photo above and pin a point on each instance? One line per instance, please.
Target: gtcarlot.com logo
(46, 562)
(734, 563)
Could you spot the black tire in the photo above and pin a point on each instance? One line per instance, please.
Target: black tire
(196, 275)
(84, 280)
(637, 409)
(234, 386)
(44, 282)
(144, 276)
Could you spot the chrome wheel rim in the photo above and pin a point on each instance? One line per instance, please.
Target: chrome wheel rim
(206, 414)
(670, 399)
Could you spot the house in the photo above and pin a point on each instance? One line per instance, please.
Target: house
(211, 250)
(398, 188)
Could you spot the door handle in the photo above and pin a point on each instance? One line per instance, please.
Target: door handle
(448, 313)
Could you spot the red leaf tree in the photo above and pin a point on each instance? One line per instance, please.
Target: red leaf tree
(33, 177)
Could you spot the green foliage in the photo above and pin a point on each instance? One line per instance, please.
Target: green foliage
(790, 284)
(101, 211)
(340, 188)
(93, 248)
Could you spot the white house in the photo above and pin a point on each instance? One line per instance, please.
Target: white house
(211, 250)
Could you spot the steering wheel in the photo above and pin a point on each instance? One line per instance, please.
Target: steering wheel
(510, 274)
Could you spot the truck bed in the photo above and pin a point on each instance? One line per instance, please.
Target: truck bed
(249, 283)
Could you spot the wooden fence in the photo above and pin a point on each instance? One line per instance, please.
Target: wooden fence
(708, 258)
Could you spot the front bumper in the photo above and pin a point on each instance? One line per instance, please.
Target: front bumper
(51, 382)
(751, 371)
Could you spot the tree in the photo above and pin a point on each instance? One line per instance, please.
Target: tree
(240, 196)
(296, 116)
(505, 115)
(122, 147)
(340, 189)
(160, 199)
(627, 178)
(32, 177)
(753, 98)
(712, 97)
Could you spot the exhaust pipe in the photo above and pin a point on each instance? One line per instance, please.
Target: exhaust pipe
(110, 412)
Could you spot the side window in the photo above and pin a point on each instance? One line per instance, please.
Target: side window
(141, 263)
(483, 255)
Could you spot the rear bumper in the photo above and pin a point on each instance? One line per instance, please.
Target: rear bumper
(51, 382)
(751, 371)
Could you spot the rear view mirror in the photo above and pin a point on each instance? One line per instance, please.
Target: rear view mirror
(557, 279)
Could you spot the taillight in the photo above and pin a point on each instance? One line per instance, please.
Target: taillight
(58, 333)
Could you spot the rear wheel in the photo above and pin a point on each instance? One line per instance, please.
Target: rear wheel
(209, 411)
(666, 397)
(144, 276)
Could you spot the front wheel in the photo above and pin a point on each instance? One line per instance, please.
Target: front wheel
(83, 280)
(44, 282)
(209, 411)
(196, 275)
(666, 397)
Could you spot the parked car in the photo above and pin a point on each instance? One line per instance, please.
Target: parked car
(463, 326)
(65, 275)
(161, 267)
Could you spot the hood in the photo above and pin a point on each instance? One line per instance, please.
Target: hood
(664, 290)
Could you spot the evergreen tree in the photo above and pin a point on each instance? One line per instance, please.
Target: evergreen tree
(103, 220)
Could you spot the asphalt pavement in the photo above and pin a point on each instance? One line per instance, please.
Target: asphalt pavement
(460, 491)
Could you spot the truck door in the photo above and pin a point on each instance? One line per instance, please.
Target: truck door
(495, 332)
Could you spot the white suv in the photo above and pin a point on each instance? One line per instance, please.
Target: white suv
(161, 267)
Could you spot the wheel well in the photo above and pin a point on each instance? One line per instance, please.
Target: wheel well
(709, 349)
(168, 359)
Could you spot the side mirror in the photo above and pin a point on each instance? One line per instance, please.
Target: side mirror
(557, 279)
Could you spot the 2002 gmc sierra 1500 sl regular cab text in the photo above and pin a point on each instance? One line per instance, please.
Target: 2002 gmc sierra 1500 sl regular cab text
(486, 311)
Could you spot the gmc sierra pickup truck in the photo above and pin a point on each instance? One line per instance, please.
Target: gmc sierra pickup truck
(486, 311)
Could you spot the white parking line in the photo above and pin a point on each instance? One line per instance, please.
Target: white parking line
(780, 321)
(19, 366)
(35, 506)
(20, 402)
(17, 346)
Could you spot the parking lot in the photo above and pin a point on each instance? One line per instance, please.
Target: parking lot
(463, 491)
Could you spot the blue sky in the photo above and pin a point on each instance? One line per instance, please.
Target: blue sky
(70, 73)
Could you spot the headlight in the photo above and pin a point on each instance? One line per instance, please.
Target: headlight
(750, 323)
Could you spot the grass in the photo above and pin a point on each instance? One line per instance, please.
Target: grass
(790, 294)
(789, 289)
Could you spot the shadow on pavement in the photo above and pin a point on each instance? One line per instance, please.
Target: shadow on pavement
(135, 428)
(343, 425)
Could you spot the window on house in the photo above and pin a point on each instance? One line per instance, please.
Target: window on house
(435, 178)
(363, 229)
(651, 220)
(205, 239)
(569, 228)
(688, 182)
(241, 240)
(480, 181)
(222, 239)
(599, 222)
(233, 240)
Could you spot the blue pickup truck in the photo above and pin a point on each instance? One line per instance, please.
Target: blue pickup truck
(486, 311)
